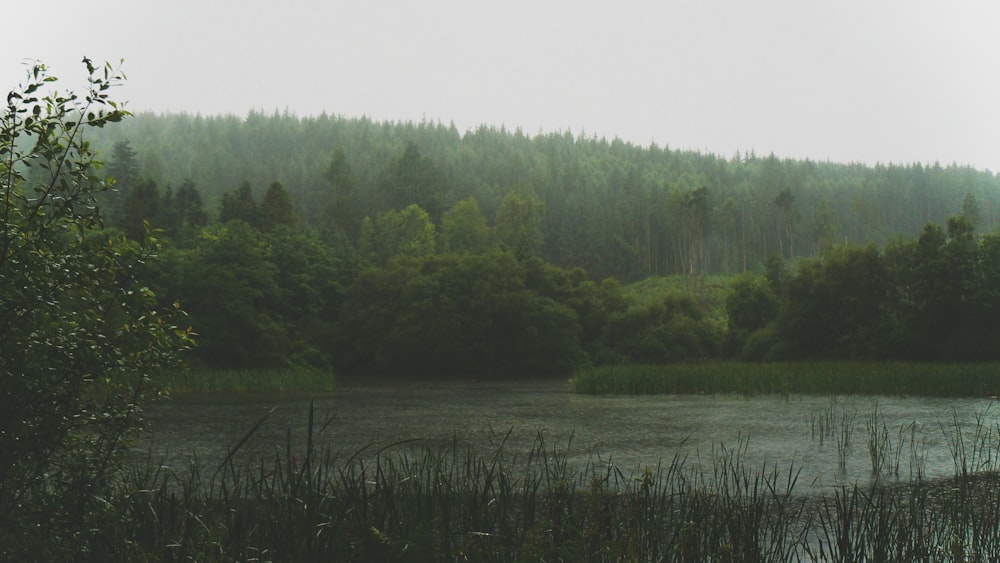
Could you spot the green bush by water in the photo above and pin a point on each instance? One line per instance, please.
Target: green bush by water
(259, 380)
(821, 378)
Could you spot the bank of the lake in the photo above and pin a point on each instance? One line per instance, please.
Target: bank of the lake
(816, 378)
(275, 380)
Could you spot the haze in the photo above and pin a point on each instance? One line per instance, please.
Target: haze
(890, 81)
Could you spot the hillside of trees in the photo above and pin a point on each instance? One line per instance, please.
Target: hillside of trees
(417, 248)
(613, 208)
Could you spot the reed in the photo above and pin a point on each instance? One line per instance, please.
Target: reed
(885, 448)
(414, 502)
(837, 424)
(292, 380)
(818, 378)
(955, 519)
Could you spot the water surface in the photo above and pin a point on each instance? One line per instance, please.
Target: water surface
(631, 432)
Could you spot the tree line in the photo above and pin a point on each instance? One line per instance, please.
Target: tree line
(416, 281)
(930, 298)
(614, 208)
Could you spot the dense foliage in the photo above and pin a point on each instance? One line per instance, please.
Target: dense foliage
(931, 298)
(403, 247)
(80, 334)
(610, 207)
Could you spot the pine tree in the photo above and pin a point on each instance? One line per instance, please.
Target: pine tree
(276, 208)
(239, 206)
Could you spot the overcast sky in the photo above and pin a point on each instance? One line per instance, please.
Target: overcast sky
(844, 80)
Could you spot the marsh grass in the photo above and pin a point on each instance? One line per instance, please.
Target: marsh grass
(977, 453)
(817, 378)
(248, 381)
(414, 502)
(885, 448)
(834, 423)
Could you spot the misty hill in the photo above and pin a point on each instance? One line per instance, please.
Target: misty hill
(612, 207)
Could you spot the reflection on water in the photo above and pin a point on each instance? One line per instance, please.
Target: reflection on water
(917, 435)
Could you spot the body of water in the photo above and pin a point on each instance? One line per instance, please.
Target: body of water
(827, 438)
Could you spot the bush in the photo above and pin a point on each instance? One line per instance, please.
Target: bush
(81, 336)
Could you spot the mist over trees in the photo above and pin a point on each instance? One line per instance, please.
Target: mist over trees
(613, 208)
(414, 247)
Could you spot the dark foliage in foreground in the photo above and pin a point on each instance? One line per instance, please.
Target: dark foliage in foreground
(81, 335)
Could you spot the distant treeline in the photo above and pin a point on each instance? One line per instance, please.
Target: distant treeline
(414, 248)
(613, 208)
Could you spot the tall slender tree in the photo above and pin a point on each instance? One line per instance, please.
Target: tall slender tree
(785, 201)
(341, 207)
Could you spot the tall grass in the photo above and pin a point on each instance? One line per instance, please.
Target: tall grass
(956, 519)
(413, 502)
(425, 504)
(831, 424)
(249, 380)
(821, 378)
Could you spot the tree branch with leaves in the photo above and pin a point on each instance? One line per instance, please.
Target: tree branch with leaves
(81, 337)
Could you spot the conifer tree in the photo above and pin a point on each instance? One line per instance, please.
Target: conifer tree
(239, 205)
(276, 208)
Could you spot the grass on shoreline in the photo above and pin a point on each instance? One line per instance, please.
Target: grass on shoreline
(289, 380)
(818, 378)
(424, 503)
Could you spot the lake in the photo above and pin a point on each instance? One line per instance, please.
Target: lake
(806, 432)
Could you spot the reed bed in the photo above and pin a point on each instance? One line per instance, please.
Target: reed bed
(818, 378)
(833, 424)
(415, 502)
(292, 380)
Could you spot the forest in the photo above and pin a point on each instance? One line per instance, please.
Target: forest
(413, 247)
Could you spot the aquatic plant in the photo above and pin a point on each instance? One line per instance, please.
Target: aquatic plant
(835, 424)
(954, 519)
(293, 380)
(816, 378)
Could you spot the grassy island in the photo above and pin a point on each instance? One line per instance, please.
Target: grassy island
(839, 378)
(290, 380)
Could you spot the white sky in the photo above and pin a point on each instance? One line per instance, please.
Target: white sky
(846, 80)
